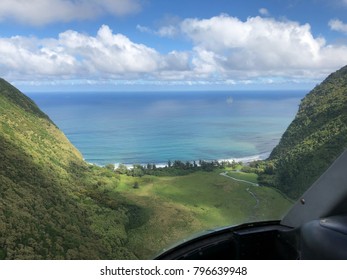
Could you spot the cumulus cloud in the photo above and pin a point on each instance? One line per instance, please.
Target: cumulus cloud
(22, 57)
(74, 55)
(109, 53)
(338, 25)
(40, 12)
(260, 47)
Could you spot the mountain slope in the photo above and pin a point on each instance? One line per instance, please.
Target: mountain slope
(49, 206)
(317, 135)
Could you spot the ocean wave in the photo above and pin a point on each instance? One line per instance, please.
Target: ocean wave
(246, 159)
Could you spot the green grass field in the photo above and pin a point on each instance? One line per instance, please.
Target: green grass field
(177, 207)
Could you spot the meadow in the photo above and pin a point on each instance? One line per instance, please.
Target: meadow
(175, 208)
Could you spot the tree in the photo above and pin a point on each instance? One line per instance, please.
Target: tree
(110, 167)
(138, 170)
(122, 169)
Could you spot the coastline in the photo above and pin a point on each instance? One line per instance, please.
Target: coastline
(156, 128)
(244, 160)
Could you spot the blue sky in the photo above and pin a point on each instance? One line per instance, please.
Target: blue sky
(171, 45)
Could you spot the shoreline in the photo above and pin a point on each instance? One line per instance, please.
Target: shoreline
(244, 160)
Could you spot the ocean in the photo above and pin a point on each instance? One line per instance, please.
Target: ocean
(155, 127)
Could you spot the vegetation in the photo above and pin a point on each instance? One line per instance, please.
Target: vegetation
(45, 212)
(175, 168)
(53, 205)
(314, 139)
(181, 205)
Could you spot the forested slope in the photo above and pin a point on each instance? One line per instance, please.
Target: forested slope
(51, 202)
(314, 139)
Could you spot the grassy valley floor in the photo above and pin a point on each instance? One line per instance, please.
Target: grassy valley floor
(173, 208)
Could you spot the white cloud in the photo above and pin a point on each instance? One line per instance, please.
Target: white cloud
(264, 12)
(109, 53)
(338, 25)
(40, 12)
(144, 29)
(169, 31)
(225, 47)
(74, 55)
(21, 57)
(260, 47)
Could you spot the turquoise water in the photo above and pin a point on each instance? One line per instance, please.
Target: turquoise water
(156, 127)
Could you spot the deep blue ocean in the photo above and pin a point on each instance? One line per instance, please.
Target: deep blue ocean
(154, 127)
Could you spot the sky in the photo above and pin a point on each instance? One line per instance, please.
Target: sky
(117, 45)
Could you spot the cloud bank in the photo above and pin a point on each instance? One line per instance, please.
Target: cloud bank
(224, 49)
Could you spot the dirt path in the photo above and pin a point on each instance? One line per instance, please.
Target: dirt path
(248, 190)
(254, 196)
(239, 180)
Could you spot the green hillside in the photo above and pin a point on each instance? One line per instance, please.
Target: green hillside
(317, 135)
(44, 187)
